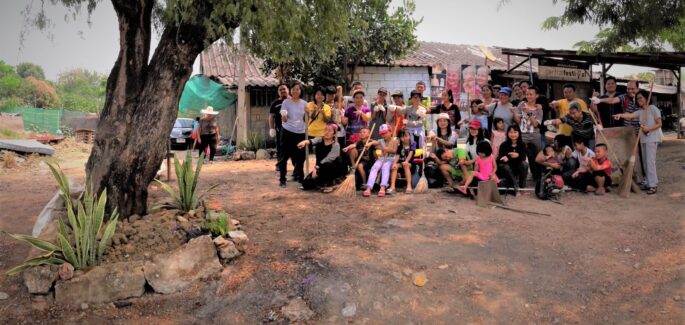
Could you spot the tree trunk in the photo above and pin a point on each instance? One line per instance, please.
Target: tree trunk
(141, 106)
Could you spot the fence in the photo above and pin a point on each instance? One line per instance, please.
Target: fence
(51, 120)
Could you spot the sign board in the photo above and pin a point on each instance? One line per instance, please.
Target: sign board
(550, 69)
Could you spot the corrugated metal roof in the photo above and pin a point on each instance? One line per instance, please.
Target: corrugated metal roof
(431, 53)
(220, 61)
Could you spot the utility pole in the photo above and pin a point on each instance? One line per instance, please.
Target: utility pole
(241, 111)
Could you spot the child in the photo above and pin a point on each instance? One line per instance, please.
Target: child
(403, 159)
(499, 135)
(454, 166)
(367, 159)
(549, 155)
(388, 148)
(485, 167)
(582, 156)
(414, 117)
(598, 175)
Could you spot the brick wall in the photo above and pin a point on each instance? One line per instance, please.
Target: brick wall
(392, 78)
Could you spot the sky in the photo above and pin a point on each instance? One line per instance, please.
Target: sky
(77, 44)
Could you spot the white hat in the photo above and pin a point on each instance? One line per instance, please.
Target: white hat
(444, 116)
(209, 111)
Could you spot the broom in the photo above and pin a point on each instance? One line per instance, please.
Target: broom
(627, 180)
(422, 186)
(348, 187)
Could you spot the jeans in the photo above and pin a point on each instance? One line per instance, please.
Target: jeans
(289, 141)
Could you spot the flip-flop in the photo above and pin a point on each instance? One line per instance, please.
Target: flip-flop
(381, 193)
(409, 191)
(327, 189)
(463, 191)
(366, 193)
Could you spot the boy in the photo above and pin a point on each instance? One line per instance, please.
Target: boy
(598, 175)
(367, 158)
(582, 155)
(454, 166)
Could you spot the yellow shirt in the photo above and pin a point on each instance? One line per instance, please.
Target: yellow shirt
(317, 126)
(562, 109)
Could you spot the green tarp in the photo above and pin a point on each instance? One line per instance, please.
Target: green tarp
(200, 92)
(39, 119)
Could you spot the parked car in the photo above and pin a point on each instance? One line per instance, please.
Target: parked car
(180, 134)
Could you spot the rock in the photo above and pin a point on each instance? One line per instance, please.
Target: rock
(677, 298)
(419, 279)
(407, 272)
(84, 306)
(297, 310)
(350, 310)
(66, 271)
(39, 279)
(262, 154)
(228, 251)
(191, 213)
(444, 266)
(238, 236)
(181, 219)
(236, 156)
(248, 155)
(220, 241)
(186, 226)
(637, 266)
(41, 302)
(105, 283)
(4, 296)
(133, 218)
(176, 270)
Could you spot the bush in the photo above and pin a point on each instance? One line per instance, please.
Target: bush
(85, 225)
(254, 142)
(187, 198)
(220, 226)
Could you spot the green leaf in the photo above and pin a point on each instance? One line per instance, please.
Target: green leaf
(109, 232)
(68, 252)
(48, 258)
(35, 242)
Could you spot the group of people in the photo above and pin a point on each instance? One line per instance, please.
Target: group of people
(389, 141)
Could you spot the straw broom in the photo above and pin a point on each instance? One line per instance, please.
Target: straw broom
(422, 186)
(348, 187)
(627, 181)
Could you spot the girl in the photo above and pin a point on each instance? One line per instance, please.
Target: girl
(476, 136)
(292, 115)
(448, 107)
(477, 113)
(650, 137)
(319, 114)
(498, 135)
(443, 136)
(328, 163)
(511, 162)
(403, 160)
(388, 148)
(485, 167)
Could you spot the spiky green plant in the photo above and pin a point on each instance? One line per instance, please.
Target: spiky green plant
(86, 223)
(221, 225)
(186, 198)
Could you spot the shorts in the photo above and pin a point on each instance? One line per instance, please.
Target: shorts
(457, 173)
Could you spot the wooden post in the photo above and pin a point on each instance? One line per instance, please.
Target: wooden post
(602, 78)
(241, 112)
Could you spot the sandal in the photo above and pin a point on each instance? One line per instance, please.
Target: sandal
(462, 189)
(409, 191)
(381, 193)
(367, 192)
(389, 191)
(651, 190)
(327, 189)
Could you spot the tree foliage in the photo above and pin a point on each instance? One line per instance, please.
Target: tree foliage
(375, 34)
(646, 25)
(28, 69)
(82, 90)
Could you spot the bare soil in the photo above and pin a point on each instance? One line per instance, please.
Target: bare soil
(595, 260)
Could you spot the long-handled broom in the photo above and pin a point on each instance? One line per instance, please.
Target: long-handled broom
(422, 185)
(348, 187)
(627, 180)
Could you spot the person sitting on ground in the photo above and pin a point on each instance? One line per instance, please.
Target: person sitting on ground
(454, 166)
(388, 147)
(563, 160)
(596, 177)
(511, 162)
(328, 162)
(404, 161)
(484, 169)
(582, 156)
(548, 160)
(367, 158)
(581, 123)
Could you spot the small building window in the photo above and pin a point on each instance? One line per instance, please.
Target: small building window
(262, 97)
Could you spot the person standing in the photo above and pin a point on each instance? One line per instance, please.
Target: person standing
(528, 117)
(334, 99)
(378, 112)
(208, 130)
(650, 137)
(275, 123)
(605, 109)
(502, 108)
(319, 114)
(414, 118)
(624, 103)
(544, 104)
(292, 113)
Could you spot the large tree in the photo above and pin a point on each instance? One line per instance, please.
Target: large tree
(376, 34)
(143, 91)
(626, 25)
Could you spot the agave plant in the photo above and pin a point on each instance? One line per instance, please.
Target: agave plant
(86, 223)
(186, 198)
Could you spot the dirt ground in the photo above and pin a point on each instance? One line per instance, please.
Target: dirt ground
(595, 260)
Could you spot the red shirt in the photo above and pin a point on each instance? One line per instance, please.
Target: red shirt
(604, 166)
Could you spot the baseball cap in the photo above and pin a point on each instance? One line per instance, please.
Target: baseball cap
(415, 93)
(505, 90)
(382, 90)
(358, 91)
(397, 93)
(384, 129)
(475, 124)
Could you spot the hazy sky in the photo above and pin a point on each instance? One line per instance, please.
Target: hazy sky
(76, 44)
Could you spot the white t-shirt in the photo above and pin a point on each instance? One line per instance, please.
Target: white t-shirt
(583, 160)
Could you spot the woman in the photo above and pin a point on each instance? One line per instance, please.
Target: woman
(650, 137)
(319, 114)
(328, 162)
(511, 162)
(487, 93)
(209, 132)
(444, 136)
(334, 99)
(529, 118)
(476, 136)
(357, 116)
(292, 115)
(448, 107)
(502, 108)
(378, 112)
(414, 117)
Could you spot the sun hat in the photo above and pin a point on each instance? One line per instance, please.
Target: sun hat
(209, 111)
(505, 90)
(475, 124)
(443, 116)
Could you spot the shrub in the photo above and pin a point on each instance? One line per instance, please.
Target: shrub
(254, 142)
(85, 224)
(220, 226)
(187, 198)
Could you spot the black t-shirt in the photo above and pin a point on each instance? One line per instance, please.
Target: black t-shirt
(607, 112)
(453, 112)
(504, 150)
(276, 110)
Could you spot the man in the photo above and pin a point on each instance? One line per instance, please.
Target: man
(626, 104)
(454, 167)
(356, 86)
(421, 88)
(495, 91)
(275, 122)
(378, 112)
(561, 106)
(581, 124)
(607, 110)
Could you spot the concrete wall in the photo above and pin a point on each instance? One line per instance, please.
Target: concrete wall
(392, 78)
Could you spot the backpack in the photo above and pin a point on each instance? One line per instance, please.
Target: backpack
(549, 187)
